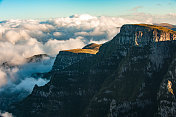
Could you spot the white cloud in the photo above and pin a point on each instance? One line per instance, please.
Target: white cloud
(12, 36)
(57, 34)
(82, 17)
(81, 34)
(3, 79)
(54, 46)
(150, 18)
(6, 114)
(29, 83)
(172, 14)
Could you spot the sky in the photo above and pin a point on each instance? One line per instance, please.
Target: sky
(38, 9)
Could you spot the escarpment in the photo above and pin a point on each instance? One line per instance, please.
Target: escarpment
(68, 57)
(126, 78)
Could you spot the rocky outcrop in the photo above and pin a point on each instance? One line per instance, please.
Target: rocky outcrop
(68, 57)
(38, 58)
(93, 46)
(32, 59)
(144, 34)
(126, 78)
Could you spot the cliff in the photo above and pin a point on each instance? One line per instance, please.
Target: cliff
(93, 46)
(127, 77)
(68, 57)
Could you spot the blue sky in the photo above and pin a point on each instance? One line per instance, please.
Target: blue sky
(33, 9)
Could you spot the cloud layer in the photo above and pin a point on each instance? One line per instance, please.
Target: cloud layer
(20, 39)
(5, 114)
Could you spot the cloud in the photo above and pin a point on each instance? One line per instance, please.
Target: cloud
(16, 81)
(172, 14)
(3, 79)
(29, 83)
(6, 114)
(14, 75)
(54, 46)
(20, 39)
(57, 34)
(149, 18)
(83, 17)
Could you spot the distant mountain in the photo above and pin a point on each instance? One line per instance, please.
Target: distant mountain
(8, 93)
(169, 26)
(33, 59)
(37, 58)
(133, 75)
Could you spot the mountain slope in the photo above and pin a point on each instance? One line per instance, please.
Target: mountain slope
(169, 26)
(124, 78)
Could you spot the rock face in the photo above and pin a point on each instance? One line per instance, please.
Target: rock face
(69, 57)
(66, 58)
(93, 46)
(127, 78)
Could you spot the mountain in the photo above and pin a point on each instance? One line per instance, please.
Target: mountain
(68, 57)
(32, 59)
(9, 94)
(169, 26)
(131, 76)
(38, 58)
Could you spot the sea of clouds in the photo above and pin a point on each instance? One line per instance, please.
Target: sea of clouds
(21, 39)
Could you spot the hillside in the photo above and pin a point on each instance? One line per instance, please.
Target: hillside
(127, 77)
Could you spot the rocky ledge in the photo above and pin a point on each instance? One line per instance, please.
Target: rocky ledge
(68, 57)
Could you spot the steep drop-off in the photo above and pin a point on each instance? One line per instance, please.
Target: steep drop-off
(127, 78)
(68, 57)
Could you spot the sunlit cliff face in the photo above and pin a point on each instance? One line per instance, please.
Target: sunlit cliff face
(169, 86)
